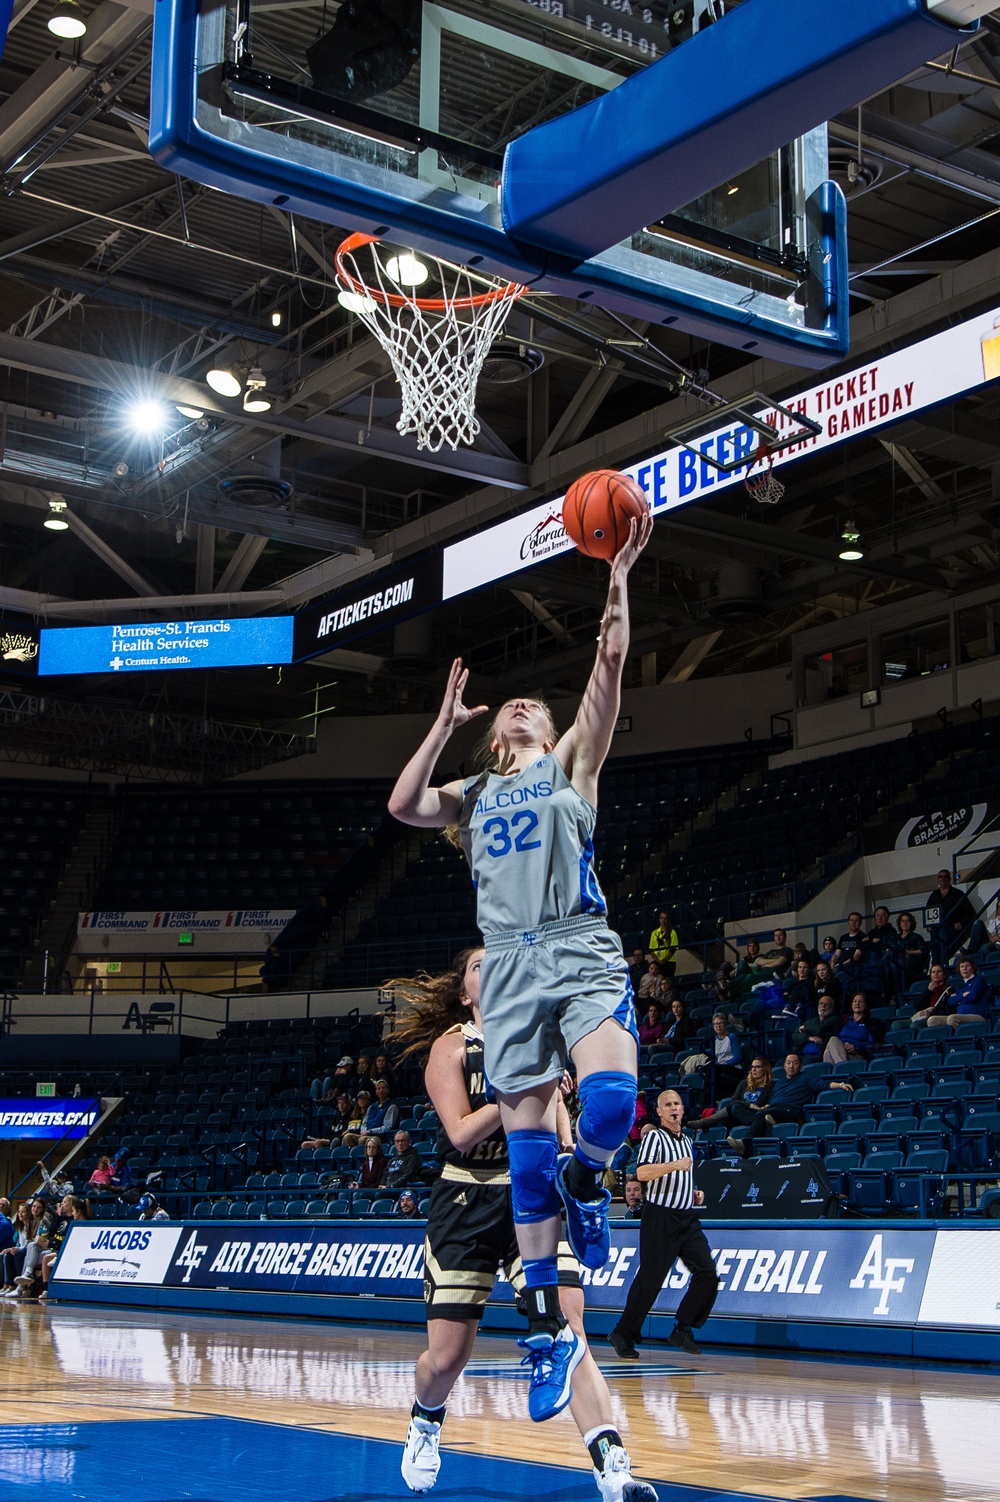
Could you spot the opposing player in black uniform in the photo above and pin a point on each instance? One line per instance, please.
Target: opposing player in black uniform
(470, 1233)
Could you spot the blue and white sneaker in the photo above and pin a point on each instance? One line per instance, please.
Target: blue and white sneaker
(587, 1229)
(553, 1360)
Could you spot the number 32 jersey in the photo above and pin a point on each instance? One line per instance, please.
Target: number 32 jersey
(529, 840)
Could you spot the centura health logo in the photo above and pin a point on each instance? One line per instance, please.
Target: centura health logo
(545, 538)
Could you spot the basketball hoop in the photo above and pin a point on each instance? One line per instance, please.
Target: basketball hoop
(437, 345)
(765, 488)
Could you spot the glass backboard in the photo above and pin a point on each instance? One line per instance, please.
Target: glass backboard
(392, 117)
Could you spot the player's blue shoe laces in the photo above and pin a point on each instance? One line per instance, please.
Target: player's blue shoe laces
(553, 1360)
(587, 1229)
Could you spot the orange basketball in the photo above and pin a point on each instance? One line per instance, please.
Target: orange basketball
(597, 511)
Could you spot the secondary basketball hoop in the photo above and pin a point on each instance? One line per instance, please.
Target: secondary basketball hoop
(765, 488)
(437, 345)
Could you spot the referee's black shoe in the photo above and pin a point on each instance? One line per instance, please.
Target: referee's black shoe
(624, 1349)
(682, 1339)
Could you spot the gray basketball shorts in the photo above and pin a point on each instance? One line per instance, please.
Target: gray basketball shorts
(542, 990)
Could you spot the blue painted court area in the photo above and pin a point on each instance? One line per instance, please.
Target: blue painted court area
(227, 1460)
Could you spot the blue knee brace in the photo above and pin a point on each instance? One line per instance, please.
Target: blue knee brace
(607, 1113)
(533, 1176)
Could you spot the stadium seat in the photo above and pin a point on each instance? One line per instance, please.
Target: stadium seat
(338, 1208)
(905, 1196)
(315, 1208)
(295, 1209)
(870, 1184)
(382, 1206)
(202, 1211)
(220, 1210)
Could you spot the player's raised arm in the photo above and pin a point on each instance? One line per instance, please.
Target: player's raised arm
(585, 745)
(413, 800)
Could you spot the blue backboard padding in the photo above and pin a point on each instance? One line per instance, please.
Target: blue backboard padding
(180, 143)
(704, 113)
(6, 6)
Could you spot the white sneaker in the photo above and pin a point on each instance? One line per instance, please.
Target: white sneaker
(421, 1455)
(615, 1482)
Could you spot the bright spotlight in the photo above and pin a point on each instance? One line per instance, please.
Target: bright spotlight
(851, 550)
(67, 21)
(55, 521)
(224, 381)
(193, 412)
(355, 303)
(147, 418)
(407, 270)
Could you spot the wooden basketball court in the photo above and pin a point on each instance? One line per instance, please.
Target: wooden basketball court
(100, 1405)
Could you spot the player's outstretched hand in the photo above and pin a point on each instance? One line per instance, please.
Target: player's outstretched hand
(453, 712)
(639, 534)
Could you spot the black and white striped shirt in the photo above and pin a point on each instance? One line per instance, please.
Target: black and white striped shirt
(672, 1191)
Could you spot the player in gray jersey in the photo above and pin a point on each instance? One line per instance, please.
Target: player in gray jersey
(554, 980)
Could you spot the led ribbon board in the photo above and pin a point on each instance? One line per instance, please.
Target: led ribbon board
(46, 1119)
(884, 391)
(166, 646)
(372, 605)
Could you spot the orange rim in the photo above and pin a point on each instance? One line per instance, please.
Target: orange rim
(508, 290)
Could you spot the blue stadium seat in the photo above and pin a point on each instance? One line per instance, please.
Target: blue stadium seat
(382, 1206)
(338, 1207)
(870, 1184)
(295, 1209)
(220, 1210)
(905, 1196)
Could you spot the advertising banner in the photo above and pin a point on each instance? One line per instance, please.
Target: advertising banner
(18, 644)
(765, 1189)
(47, 1118)
(824, 1272)
(218, 930)
(132, 1253)
(166, 646)
(963, 1282)
(884, 391)
(382, 600)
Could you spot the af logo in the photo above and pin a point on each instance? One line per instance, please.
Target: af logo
(191, 1256)
(887, 1274)
(753, 1194)
(813, 1188)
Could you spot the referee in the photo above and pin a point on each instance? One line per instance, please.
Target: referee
(670, 1229)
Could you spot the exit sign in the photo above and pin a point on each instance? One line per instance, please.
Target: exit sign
(185, 938)
(114, 967)
(46, 1089)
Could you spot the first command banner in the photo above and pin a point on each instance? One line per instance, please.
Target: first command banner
(821, 1272)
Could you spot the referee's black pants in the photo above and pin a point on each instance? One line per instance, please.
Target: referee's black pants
(665, 1235)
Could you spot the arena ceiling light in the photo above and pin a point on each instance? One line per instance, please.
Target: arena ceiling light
(193, 412)
(147, 417)
(354, 302)
(67, 20)
(55, 521)
(407, 269)
(256, 399)
(851, 550)
(223, 380)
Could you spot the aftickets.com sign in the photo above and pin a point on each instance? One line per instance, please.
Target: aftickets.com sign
(879, 393)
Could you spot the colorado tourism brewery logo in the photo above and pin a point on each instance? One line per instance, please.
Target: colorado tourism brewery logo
(544, 539)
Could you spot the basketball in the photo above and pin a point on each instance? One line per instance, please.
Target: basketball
(597, 511)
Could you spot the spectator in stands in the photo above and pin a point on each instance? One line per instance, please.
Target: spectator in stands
(336, 1123)
(750, 1096)
(907, 960)
(13, 1258)
(404, 1166)
(651, 1029)
(955, 915)
(663, 943)
(56, 1184)
(322, 1089)
(71, 1207)
(880, 941)
(103, 1176)
(838, 688)
(633, 1199)
(352, 1136)
(149, 1208)
(799, 992)
(750, 969)
(407, 1206)
(49, 1223)
(344, 1077)
(971, 999)
(382, 1116)
(679, 1029)
(724, 981)
(637, 968)
(937, 997)
(859, 1035)
(722, 1065)
(373, 1166)
(829, 953)
(382, 1070)
(825, 983)
(366, 1080)
(7, 1240)
(653, 984)
(986, 935)
(817, 1030)
(779, 957)
(848, 955)
(641, 1117)
(789, 1099)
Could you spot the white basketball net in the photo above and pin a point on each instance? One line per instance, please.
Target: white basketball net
(765, 487)
(437, 345)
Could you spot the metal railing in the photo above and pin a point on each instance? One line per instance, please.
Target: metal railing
(189, 1013)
